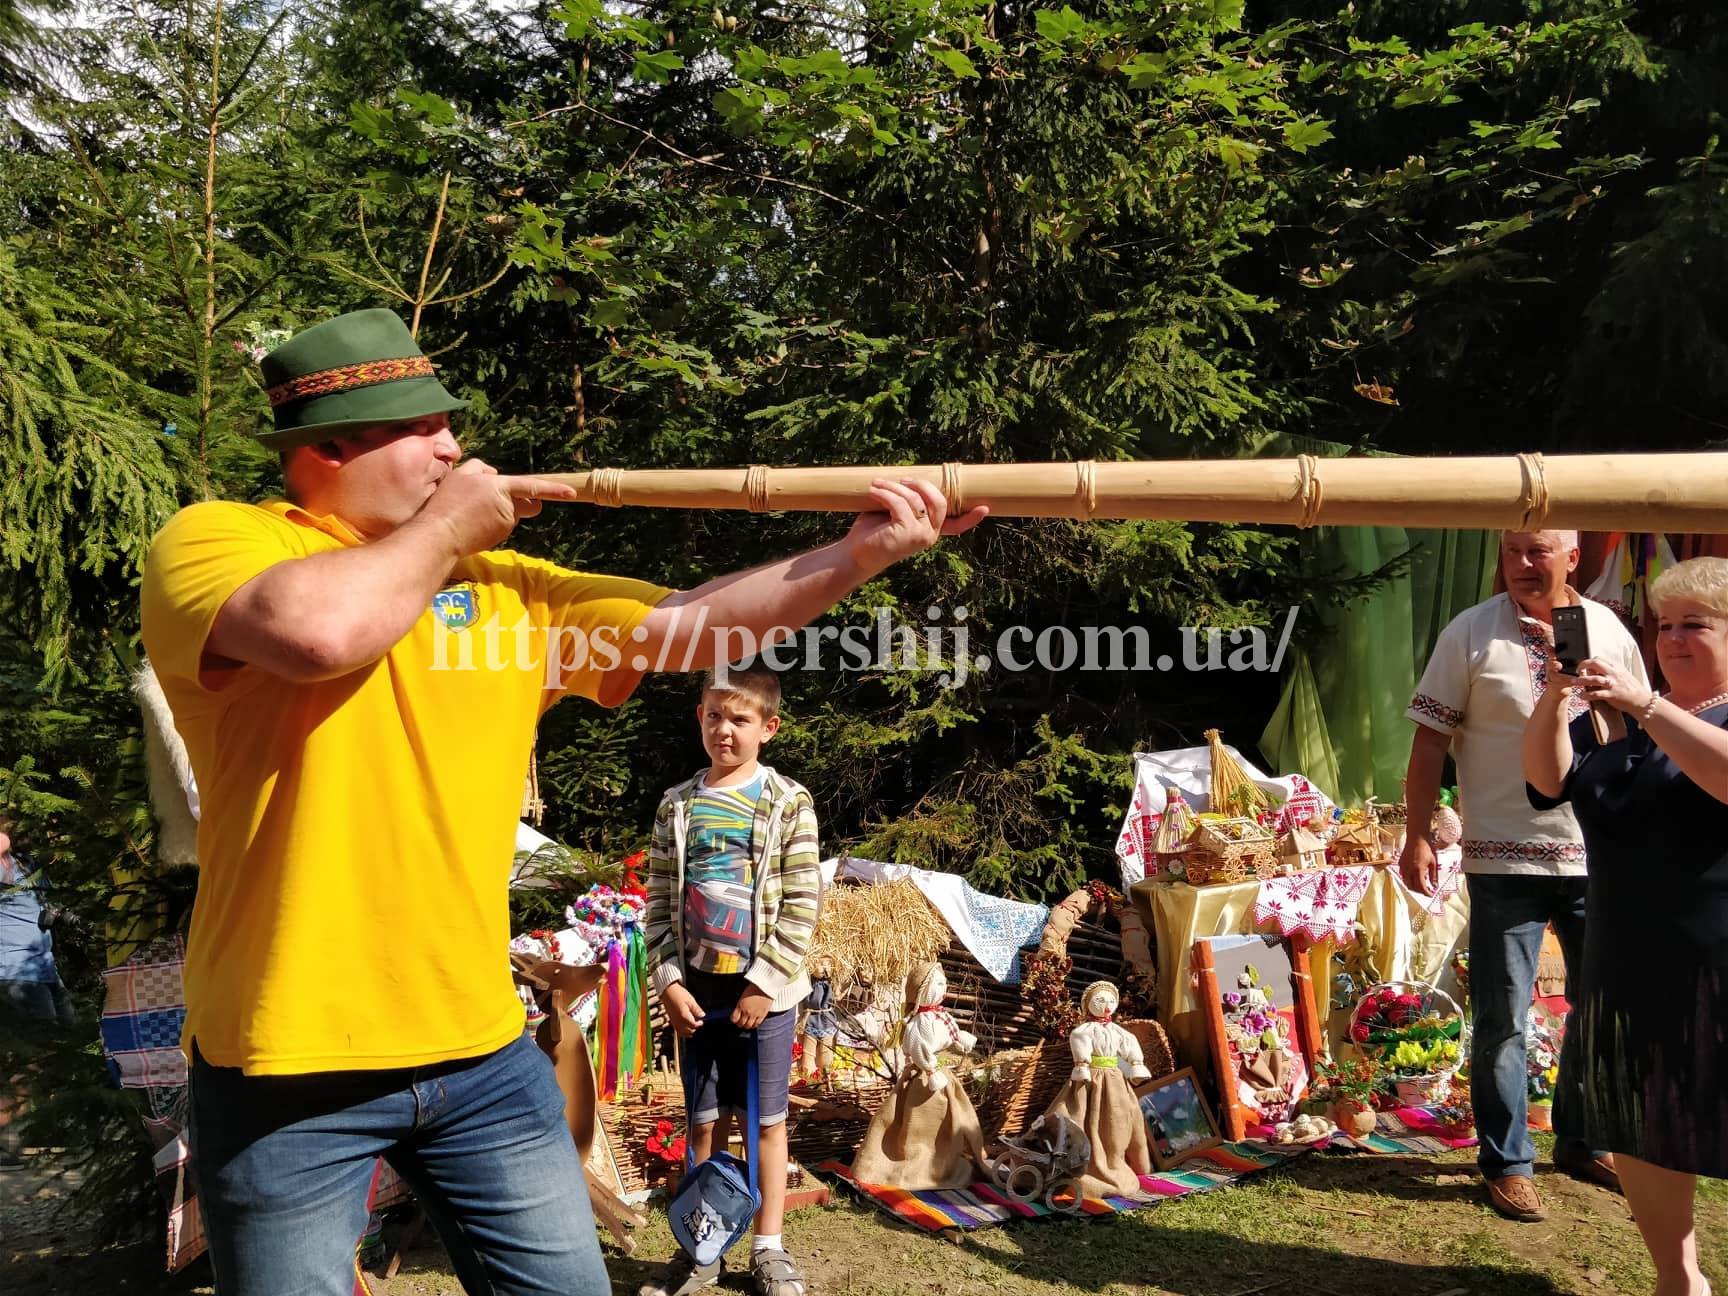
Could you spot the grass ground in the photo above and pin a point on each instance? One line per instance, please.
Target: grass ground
(1325, 1225)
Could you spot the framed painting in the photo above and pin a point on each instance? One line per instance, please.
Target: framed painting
(1179, 1121)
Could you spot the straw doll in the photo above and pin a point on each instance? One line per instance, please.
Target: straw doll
(925, 1134)
(1099, 1097)
(821, 1026)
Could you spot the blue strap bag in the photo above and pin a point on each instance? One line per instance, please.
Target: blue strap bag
(717, 1201)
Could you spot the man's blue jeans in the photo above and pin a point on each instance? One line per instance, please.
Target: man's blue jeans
(283, 1166)
(1508, 915)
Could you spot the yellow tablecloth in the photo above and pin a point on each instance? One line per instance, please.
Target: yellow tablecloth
(1400, 941)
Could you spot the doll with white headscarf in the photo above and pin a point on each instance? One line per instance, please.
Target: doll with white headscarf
(926, 1133)
(1099, 1096)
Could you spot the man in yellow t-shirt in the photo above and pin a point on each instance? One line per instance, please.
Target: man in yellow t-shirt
(357, 674)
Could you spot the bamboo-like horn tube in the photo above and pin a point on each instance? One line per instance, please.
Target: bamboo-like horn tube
(1619, 492)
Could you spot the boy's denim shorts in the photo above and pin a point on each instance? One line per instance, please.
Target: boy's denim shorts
(715, 1059)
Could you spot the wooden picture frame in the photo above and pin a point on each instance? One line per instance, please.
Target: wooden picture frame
(1179, 1120)
(1233, 1114)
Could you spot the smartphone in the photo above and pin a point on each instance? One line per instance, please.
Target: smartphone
(1571, 638)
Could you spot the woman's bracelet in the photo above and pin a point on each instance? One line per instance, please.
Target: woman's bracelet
(1649, 709)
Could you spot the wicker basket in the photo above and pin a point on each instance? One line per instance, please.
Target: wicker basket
(998, 1014)
(1428, 1087)
(1155, 1051)
(1020, 1084)
(819, 1127)
(1422, 1090)
(833, 1128)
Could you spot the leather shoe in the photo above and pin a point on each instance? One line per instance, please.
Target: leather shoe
(1515, 1197)
(1597, 1170)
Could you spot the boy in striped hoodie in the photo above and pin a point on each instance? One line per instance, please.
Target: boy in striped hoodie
(733, 892)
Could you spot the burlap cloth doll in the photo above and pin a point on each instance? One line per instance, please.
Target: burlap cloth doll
(1099, 1097)
(925, 1134)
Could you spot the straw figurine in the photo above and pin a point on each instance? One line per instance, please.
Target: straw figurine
(1174, 826)
(821, 1025)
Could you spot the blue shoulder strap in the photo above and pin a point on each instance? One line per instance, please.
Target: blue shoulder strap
(752, 1100)
(752, 1116)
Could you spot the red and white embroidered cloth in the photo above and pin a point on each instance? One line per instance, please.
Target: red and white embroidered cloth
(1317, 905)
(1451, 880)
(1303, 805)
(1323, 903)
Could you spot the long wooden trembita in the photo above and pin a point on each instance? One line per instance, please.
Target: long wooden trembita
(1621, 492)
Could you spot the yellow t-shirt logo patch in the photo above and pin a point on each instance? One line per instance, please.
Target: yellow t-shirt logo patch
(456, 607)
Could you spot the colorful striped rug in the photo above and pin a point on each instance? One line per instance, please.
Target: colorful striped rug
(1405, 1132)
(1410, 1131)
(982, 1205)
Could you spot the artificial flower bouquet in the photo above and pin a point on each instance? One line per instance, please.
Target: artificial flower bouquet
(1409, 1057)
(1388, 1015)
(1455, 1115)
(1543, 1034)
(1356, 1080)
(1415, 1033)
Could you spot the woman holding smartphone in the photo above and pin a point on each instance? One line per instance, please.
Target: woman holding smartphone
(1652, 1004)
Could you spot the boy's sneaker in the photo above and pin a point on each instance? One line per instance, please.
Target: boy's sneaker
(682, 1277)
(775, 1274)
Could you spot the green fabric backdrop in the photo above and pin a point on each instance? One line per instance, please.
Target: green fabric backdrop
(1340, 719)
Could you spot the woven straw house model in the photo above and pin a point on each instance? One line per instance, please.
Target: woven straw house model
(1355, 844)
(1300, 851)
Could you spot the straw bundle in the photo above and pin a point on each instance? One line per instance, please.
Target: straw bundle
(871, 937)
(1233, 792)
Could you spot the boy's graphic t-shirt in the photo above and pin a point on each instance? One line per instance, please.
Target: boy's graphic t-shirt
(719, 878)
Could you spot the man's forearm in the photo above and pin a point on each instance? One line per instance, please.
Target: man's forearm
(1422, 781)
(323, 616)
(733, 615)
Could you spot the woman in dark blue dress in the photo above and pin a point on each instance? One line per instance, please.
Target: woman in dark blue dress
(1652, 1003)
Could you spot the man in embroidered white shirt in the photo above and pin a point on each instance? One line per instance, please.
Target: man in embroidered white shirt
(1525, 868)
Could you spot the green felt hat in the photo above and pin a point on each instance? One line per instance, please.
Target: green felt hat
(354, 371)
